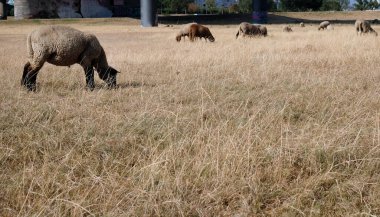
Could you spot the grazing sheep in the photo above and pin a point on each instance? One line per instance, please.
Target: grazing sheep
(199, 31)
(302, 24)
(183, 32)
(363, 26)
(287, 29)
(323, 25)
(247, 29)
(65, 46)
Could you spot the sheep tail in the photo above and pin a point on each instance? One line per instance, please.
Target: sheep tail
(240, 30)
(29, 47)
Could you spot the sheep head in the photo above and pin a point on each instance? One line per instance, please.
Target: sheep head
(178, 38)
(373, 32)
(109, 76)
(211, 38)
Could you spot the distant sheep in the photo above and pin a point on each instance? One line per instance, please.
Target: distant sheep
(183, 32)
(247, 29)
(65, 46)
(302, 24)
(287, 29)
(363, 26)
(199, 31)
(323, 25)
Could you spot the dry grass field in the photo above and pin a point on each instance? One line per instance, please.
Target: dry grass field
(287, 125)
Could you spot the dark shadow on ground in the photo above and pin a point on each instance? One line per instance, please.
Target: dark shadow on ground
(134, 84)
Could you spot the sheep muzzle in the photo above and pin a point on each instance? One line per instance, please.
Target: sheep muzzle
(109, 76)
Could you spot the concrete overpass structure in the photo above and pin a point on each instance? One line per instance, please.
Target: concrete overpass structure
(26, 9)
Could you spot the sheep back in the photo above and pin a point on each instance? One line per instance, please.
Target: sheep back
(249, 29)
(323, 25)
(199, 31)
(184, 31)
(62, 46)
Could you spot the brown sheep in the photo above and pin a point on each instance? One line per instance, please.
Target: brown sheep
(323, 25)
(183, 32)
(199, 31)
(363, 26)
(247, 29)
(65, 46)
(287, 29)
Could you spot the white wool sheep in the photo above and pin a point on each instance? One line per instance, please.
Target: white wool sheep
(65, 46)
(323, 25)
(363, 26)
(247, 29)
(183, 32)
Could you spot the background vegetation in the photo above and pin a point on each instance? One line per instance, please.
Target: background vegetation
(245, 6)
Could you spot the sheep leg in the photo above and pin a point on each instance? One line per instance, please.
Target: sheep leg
(31, 77)
(192, 36)
(89, 72)
(25, 72)
(111, 82)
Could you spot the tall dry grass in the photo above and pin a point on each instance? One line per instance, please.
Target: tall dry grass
(287, 125)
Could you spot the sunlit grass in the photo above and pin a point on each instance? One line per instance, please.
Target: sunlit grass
(286, 125)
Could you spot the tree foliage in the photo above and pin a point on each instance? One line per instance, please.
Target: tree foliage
(331, 5)
(210, 5)
(344, 4)
(245, 6)
(301, 5)
(315, 5)
(366, 5)
(173, 6)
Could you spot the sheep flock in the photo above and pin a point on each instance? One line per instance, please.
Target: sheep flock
(65, 46)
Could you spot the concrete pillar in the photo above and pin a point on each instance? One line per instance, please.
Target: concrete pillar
(25, 9)
(148, 13)
(3, 10)
(260, 11)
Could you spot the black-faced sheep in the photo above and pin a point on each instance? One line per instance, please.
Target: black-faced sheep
(323, 25)
(65, 46)
(247, 29)
(183, 32)
(363, 26)
(199, 31)
(287, 29)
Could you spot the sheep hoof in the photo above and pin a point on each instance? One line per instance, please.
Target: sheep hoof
(31, 87)
(90, 88)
